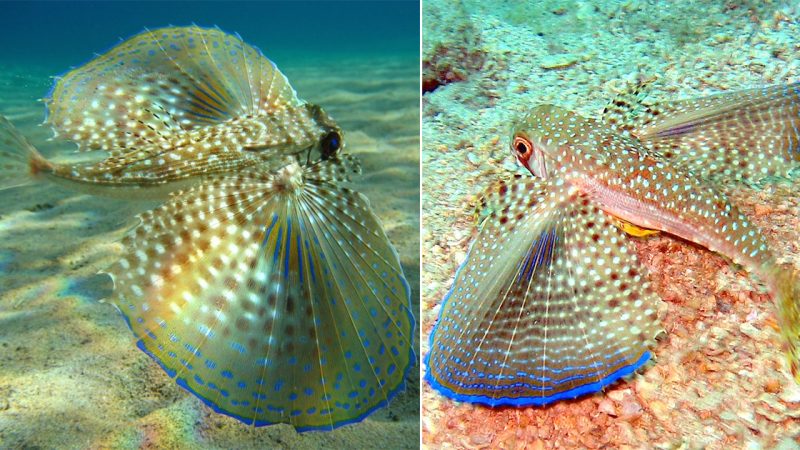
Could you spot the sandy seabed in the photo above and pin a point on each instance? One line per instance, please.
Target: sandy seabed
(70, 375)
(719, 380)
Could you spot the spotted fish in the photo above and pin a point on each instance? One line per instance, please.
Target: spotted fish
(551, 302)
(262, 284)
(172, 105)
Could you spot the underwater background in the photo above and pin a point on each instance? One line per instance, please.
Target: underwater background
(719, 379)
(70, 374)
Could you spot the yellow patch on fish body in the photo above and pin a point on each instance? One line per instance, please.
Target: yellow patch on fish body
(632, 229)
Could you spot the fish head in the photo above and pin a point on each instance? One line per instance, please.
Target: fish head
(331, 140)
(529, 155)
(532, 142)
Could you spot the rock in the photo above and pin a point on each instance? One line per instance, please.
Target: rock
(749, 330)
(660, 410)
(791, 394)
(538, 444)
(560, 61)
(452, 45)
(630, 409)
(619, 395)
(607, 406)
(480, 439)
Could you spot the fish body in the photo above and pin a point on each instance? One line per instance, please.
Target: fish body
(232, 145)
(551, 302)
(178, 103)
(628, 182)
(263, 284)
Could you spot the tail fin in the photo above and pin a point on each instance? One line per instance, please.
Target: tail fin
(19, 160)
(788, 302)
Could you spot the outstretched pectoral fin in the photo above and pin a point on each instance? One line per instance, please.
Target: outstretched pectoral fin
(550, 303)
(272, 298)
(746, 135)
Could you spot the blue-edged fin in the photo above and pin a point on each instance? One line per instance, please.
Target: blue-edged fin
(550, 304)
(273, 297)
(151, 88)
(746, 135)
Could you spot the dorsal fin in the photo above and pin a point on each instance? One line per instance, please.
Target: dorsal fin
(623, 110)
(746, 135)
(163, 82)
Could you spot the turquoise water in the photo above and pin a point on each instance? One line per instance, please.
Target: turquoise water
(66, 34)
(70, 374)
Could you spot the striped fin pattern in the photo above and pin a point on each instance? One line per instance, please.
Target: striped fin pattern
(273, 297)
(154, 87)
(550, 303)
(746, 135)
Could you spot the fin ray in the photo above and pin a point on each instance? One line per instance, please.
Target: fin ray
(549, 304)
(249, 293)
(161, 83)
(746, 135)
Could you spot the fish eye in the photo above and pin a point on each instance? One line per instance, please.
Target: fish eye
(521, 145)
(330, 144)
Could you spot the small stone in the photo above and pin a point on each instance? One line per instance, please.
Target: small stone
(631, 409)
(660, 410)
(607, 406)
(561, 61)
(480, 439)
(791, 394)
(772, 385)
(473, 159)
(749, 330)
(458, 257)
(619, 395)
(538, 444)
(747, 416)
(763, 210)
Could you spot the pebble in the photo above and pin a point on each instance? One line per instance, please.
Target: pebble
(538, 444)
(748, 329)
(762, 210)
(607, 406)
(660, 410)
(480, 439)
(561, 61)
(631, 409)
(791, 394)
(619, 395)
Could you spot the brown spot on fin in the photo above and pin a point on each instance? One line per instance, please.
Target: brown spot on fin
(746, 135)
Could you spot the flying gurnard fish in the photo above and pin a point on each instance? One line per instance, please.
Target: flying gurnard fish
(551, 302)
(262, 284)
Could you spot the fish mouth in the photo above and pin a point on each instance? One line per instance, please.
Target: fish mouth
(539, 167)
(535, 164)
